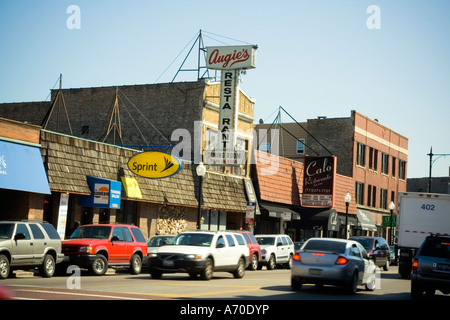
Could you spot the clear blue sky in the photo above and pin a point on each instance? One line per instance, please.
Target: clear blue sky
(315, 57)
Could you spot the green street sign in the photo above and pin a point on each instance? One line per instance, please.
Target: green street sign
(387, 221)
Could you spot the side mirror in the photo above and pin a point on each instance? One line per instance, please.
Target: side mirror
(115, 238)
(19, 236)
(279, 244)
(220, 245)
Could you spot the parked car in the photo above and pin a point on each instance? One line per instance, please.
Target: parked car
(377, 248)
(201, 253)
(160, 240)
(431, 267)
(330, 261)
(99, 246)
(394, 255)
(276, 250)
(253, 246)
(29, 244)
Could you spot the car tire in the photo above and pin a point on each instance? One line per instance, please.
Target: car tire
(135, 264)
(100, 265)
(208, 270)
(296, 284)
(47, 269)
(353, 284)
(416, 291)
(370, 286)
(155, 274)
(288, 265)
(4, 267)
(240, 271)
(253, 262)
(386, 266)
(271, 264)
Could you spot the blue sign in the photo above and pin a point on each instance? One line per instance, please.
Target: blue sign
(21, 168)
(105, 193)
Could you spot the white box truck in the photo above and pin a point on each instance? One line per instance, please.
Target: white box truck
(419, 215)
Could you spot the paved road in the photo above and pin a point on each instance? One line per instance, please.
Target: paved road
(261, 285)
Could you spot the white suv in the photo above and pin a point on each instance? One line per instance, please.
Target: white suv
(276, 249)
(201, 253)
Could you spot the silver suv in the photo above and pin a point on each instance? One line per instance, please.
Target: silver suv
(431, 267)
(276, 249)
(29, 244)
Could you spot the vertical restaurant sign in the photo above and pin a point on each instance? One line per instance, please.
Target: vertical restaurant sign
(228, 105)
(319, 181)
(231, 57)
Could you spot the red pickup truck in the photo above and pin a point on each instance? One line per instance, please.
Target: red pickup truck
(98, 246)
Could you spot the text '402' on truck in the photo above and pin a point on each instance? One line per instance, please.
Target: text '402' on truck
(419, 215)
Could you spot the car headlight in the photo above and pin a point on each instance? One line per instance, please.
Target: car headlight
(263, 251)
(192, 256)
(152, 255)
(85, 250)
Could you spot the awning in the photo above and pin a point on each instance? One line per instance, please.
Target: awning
(278, 211)
(21, 168)
(366, 221)
(105, 193)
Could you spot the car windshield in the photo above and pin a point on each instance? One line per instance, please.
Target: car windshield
(264, 241)
(194, 239)
(161, 241)
(439, 248)
(6, 230)
(366, 243)
(325, 246)
(91, 232)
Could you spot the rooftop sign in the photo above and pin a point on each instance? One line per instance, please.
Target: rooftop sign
(231, 57)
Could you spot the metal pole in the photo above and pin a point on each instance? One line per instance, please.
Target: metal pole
(200, 199)
(390, 238)
(346, 220)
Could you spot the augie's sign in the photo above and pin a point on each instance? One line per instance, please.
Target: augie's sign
(231, 57)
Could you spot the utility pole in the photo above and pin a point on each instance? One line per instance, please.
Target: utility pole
(431, 154)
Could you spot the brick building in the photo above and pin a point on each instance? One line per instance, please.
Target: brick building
(373, 156)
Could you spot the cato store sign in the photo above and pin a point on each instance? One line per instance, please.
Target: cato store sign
(154, 164)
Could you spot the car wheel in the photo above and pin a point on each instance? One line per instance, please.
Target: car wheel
(240, 271)
(47, 268)
(386, 266)
(416, 291)
(254, 262)
(371, 284)
(4, 267)
(271, 264)
(296, 284)
(135, 264)
(155, 274)
(289, 263)
(207, 272)
(353, 284)
(99, 265)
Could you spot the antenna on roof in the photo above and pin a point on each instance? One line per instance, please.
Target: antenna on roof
(57, 104)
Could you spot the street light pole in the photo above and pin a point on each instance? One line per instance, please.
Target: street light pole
(201, 171)
(431, 154)
(391, 208)
(347, 200)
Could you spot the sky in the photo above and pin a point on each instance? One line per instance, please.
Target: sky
(389, 60)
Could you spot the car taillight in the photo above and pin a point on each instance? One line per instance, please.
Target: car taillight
(341, 260)
(414, 264)
(296, 257)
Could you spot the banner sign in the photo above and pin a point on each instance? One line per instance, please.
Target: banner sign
(319, 181)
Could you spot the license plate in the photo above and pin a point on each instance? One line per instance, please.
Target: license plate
(168, 263)
(443, 267)
(315, 272)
